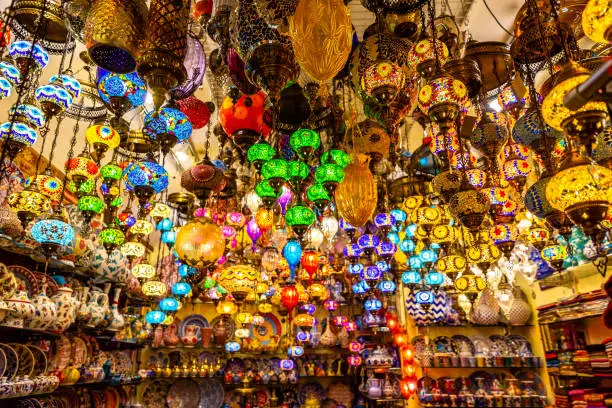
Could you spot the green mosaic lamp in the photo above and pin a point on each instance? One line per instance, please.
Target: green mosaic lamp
(304, 142)
(90, 206)
(266, 193)
(329, 175)
(299, 218)
(276, 172)
(336, 157)
(298, 171)
(111, 237)
(317, 194)
(111, 174)
(260, 153)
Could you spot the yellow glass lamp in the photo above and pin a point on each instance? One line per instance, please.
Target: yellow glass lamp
(426, 216)
(160, 211)
(141, 228)
(538, 237)
(442, 99)
(470, 285)
(304, 321)
(504, 236)
(411, 203)
(483, 254)
(584, 123)
(597, 20)
(102, 138)
(443, 235)
(423, 54)
(133, 249)
(451, 265)
(143, 271)
(154, 288)
(244, 318)
(582, 190)
(226, 307)
(239, 280)
(554, 254)
(317, 292)
(470, 207)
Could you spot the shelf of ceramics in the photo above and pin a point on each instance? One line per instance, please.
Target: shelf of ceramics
(572, 274)
(573, 318)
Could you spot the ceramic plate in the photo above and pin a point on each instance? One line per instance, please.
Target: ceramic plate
(341, 393)
(443, 344)
(112, 398)
(519, 346)
(231, 326)
(499, 346)
(40, 368)
(211, 395)
(311, 388)
(25, 278)
(183, 394)
(482, 345)
(62, 353)
(12, 361)
(2, 363)
(44, 279)
(463, 346)
(194, 319)
(155, 394)
(421, 348)
(271, 327)
(487, 380)
(79, 351)
(26, 360)
(538, 385)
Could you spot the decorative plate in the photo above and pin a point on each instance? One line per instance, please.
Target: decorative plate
(12, 361)
(26, 360)
(447, 385)
(211, 395)
(112, 399)
(264, 333)
(531, 376)
(499, 346)
(158, 359)
(155, 394)
(519, 346)
(62, 353)
(341, 393)
(463, 346)
(482, 345)
(427, 384)
(231, 326)
(25, 278)
(79, 351)
(184, 394)
(311, 388)
(234, 365)
(40, 368)
(2, 363)
(444, 344)
(487, 380)
(44, 279)
(421, 348)
(460, 381)
(196, 320)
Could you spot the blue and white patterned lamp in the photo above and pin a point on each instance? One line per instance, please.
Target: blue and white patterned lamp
(121, 92)
(24, 53)
(181, 289)
(53, 99)
(145, 178)
(155, 317)
(69, 83)
(168, 127)
(53, 235)
(18, 136)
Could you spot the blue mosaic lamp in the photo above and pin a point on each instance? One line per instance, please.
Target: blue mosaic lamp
(6, 89)
(17, 136)
(371, 273)
(368, 242)
(121, 92)
(411, 279)
(10, 73)
(360, 288)
(425, 298)
(168, 127)
(169, 237)
(69, 83)
(387, 287)
(434, 279)
(25, 53)
(384, 222)
(386, 250)
(53, 99)
(155, 317)
(169, 305)
(232, 347)
(372, 305)
(145, 178)
(181, 289)
(30, 114)
(53, 234)
(165, 224)
(355, 269)
(352, 251)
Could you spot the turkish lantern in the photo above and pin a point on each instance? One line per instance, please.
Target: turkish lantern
(321, 56)
(392, 322)
(310, 263)
(356, 195)
(407, 354)
(290, 297)
(400, 338)
(242, 119)
(408, 387)
(196, 110)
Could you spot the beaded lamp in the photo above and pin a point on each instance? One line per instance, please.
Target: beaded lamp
(25, 53)
(146, 178)
(111, 238)
(260, 153)
(167, 127)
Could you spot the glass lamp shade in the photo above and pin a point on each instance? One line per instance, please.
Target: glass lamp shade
(538, 236)
(337, 157)
(360, 288)
(19, 135)
(299, 217)
(387, 287)
(169, 305)
(181, 289)
(428, 256)
(143, 271)
(289, 297)
(329, 174)
(510, 101)
(102, 138)
(145, 178)
(443, 234)
(354, 360)
(260, 153)
(69, 83)
(352, 251)
(298, 171)
(110, 173)
(356, 269)
(407, 246)
(244, 116)
(81, 168)
(470, 207)
(554, 111)
(53, 233)
(155, 317)
(169, 237)
(447, 97)
(111, 238)
(10, 73)
(154, 288)
(597, 21)
(133, 249)
(275, 170)
(399, 215)
(29, 114)
(368, 241)
(482, 254)
(384, 221)
(583, 191)
(451, 265)
(239, 280)
(415, 262)
(426, 216)
(411, 278)
(304, 142)
(516, 169)
(47, 185)
(244, 318)
(383, 81)
(304, 321)
(424, 298)
(167, 124)
(23, 52)
(141, 228)
(122, 92)
(91, 204)
(200, 243)
(434, 279)
(372, 305)
(515, 150)
(161, 211)
(292, 252)
(554, 254)
(423, 54)
(28, 203)
(501, 233)
(490, 133)
(164, 224)
(125, 220)
(267, 194)
(386, 250)
(371, 273)
(295, 351)
(317, 194)
(527, 130)
(6, 89)
(53, 98)
(470, 284)
(197, 111)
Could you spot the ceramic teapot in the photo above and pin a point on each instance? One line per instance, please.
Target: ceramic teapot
(374, 386)
(83, 314)
(21, 310)
(67, 306)
(379, 358)
(95, 308)
(192, 333)
(45, 311)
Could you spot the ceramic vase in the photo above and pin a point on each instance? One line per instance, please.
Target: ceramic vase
(486, 311)
(520, 311)
(221, 333)
(95, 308)
(206, 336)
(117, 320)
(192, 333)
(171, 338)
(67, 306)
(112, 267)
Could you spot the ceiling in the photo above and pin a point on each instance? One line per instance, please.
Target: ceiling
(472, 16)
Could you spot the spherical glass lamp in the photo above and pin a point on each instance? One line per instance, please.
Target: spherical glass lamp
(102, 138)
(17, 136)
(425, 299)
(298, 171)
(167, 127)
(383, 81)
(304, 142)
(200, 243)
(276, 171)
(10, 73)
(111, 238)
(110, 173)
(299, 218)
(266, 193)
(146, 178)
(504, 236)
(329, 175)
(470, 207)
(423, 55)
(554, 254)
(53, 99)
(53, 234)
(336, 157)
(384, 222)
(239, 280)
(90, 206)
(80, 169)
(47, 185)
(154, 288)
(155, 317)
(597, 21)
(260, 153)
(143, 271)
(451, 265)
(69, 83)
(25, 53)
(483, 255)
(182, 289)
(122, 92)
(169, 305)
(442, 99)
(318, 195)
(133, 250)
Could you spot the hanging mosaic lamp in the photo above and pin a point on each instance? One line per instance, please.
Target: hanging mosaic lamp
(197, 111)
(260, 153)
(18, 136)
(202, 179)
(146, 178)
(111, 238)
(81, 169)
(423, 55)
(356, 196)
(597, 22)
(121, 92)
(239, 280)
(200, 243)
(90, 206)
(383, 81)
(276, 172)
(102, 138)
(329, 176)
(304, 142)
(53, 99)
(242, 119)
(443, 99)
(25, 54)
(299, 218)
(167, 127)
(53, 235)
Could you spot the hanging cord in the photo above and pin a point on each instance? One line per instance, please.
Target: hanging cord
(496, 19)
(43, 134)
(432, 15)
(570, 49)
(73, 141)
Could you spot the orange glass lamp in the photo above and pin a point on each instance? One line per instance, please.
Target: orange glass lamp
(304, 321)
(290, 297)
(407, 353)
(401, 338)
(392, 322)
(239, 280)
(310, 262)
(408, 369)
(226, 308)
(264, 219)
(408, 386)
(597, 21)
